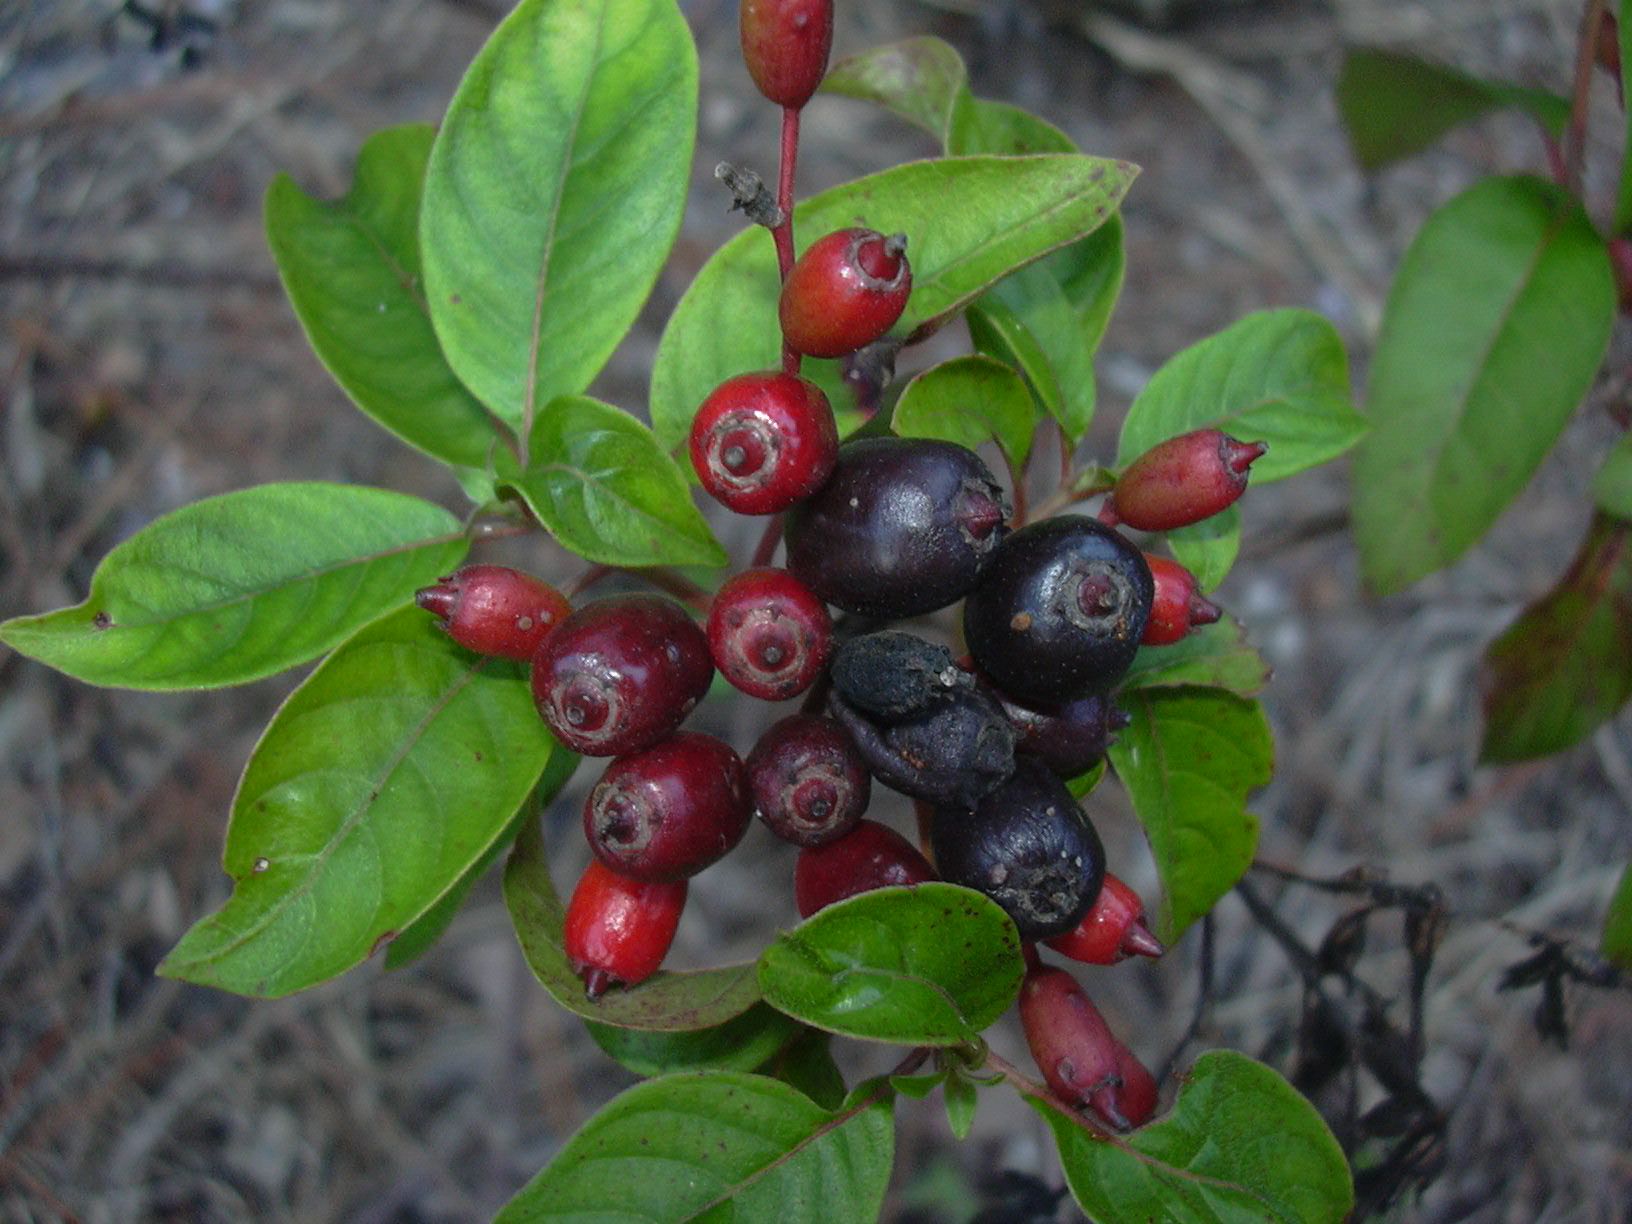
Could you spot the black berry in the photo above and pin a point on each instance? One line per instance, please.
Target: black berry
(891, 674)
(953, 752)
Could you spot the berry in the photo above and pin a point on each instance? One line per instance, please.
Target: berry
(785, 44)
(1182, 481)
(666, 813)
(1113, 930)
(870, 856)
(892, 675)
(761, 442)
(807, 781)
(621, 673)
(494, 610)
(1070, 737)
(1136, 1099)
(1027, 846)
(618, 930)
(953, 752)
(845, 291)
(905, 525)
(1080, 1058)
(1177, 607)
(1060, 610)
(769, 634)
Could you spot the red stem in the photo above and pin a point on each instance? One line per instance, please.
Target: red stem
(766, 548)
(1575, 135)
(783, 233)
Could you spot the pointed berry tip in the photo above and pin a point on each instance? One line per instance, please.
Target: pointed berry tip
(596, 981)
(1138, 941)
(1203, 611)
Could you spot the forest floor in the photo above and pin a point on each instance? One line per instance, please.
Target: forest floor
(148, 358)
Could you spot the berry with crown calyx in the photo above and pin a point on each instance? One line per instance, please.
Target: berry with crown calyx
(768, 633)
(808, 783)
(1177, 606)
(844, 292)
(1182, 481)
(495, 610)
(763, 441)
(618, 929)
(1080, 1058)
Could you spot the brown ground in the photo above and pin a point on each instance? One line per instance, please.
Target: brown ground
(147, 359)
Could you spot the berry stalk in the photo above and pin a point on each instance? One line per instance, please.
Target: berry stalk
(782, 233)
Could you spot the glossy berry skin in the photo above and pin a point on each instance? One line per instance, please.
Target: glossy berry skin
(955, 751)
(1080, 1058)
(618, 930)
(1028, 846)
(1060, 610)
(1136, 1098)
(1183, 480)
(785, 44)
(761, 442)
(1113, 930)
(905, 525)
(844, 292)
(1070, 737)
(1177, 606)
(667, 812)
(807, 781)
(621, 673)
(870, 856)
(769, 634)
(495, 610)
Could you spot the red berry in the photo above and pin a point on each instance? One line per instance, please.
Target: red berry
(621, 673)
(785, 44)
(495, 610)
(769, 633)
(845, 291)
(905, 525)
(1182, 481)
(761, 442)
(1137, 1097)
(618, 930)
(1177, 606)
(870, 856)
(808, 782)
(667, 812)
(1079, 1056)
(1113, 930)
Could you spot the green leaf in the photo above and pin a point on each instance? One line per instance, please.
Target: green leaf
(1208, 549)
(920, 79)
(1213, 656)
(665, 1002)
(999, 333)
(917, 1087)
(1623, 202)
(969, 400)
(717, 1145)
(1189, 759)
(742, 1043)
(422, 935)
(1083, 784)
(931, 964)
(1494, 329)
(1617, 942)
(555, 190)
(1394, 105)
(607, 491)
(969, 221)
(980, 126)
(960, 1098)
(1239, 1146)
(1565, 665)
(382, 779)
(351, 269)
(1277, 376)
(807, 1064)
(245, 585)
(1612, 485)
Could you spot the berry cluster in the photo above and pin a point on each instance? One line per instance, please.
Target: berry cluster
(882, 528)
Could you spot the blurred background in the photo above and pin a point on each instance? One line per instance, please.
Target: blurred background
(148, 359)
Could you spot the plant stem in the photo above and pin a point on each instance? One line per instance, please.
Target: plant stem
(664, 579)
(1575, 135)
(783, 233)
(766, 548)
(1026, 1086)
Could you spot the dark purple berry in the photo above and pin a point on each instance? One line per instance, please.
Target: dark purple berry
(1070, 737)
(769, 634)
(869, 856)
(891, 675)
(621, 673)
(905, 525)
(808, 782)
(666, 813)
(1059, 611)
(953, 752)
(1027, 846)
